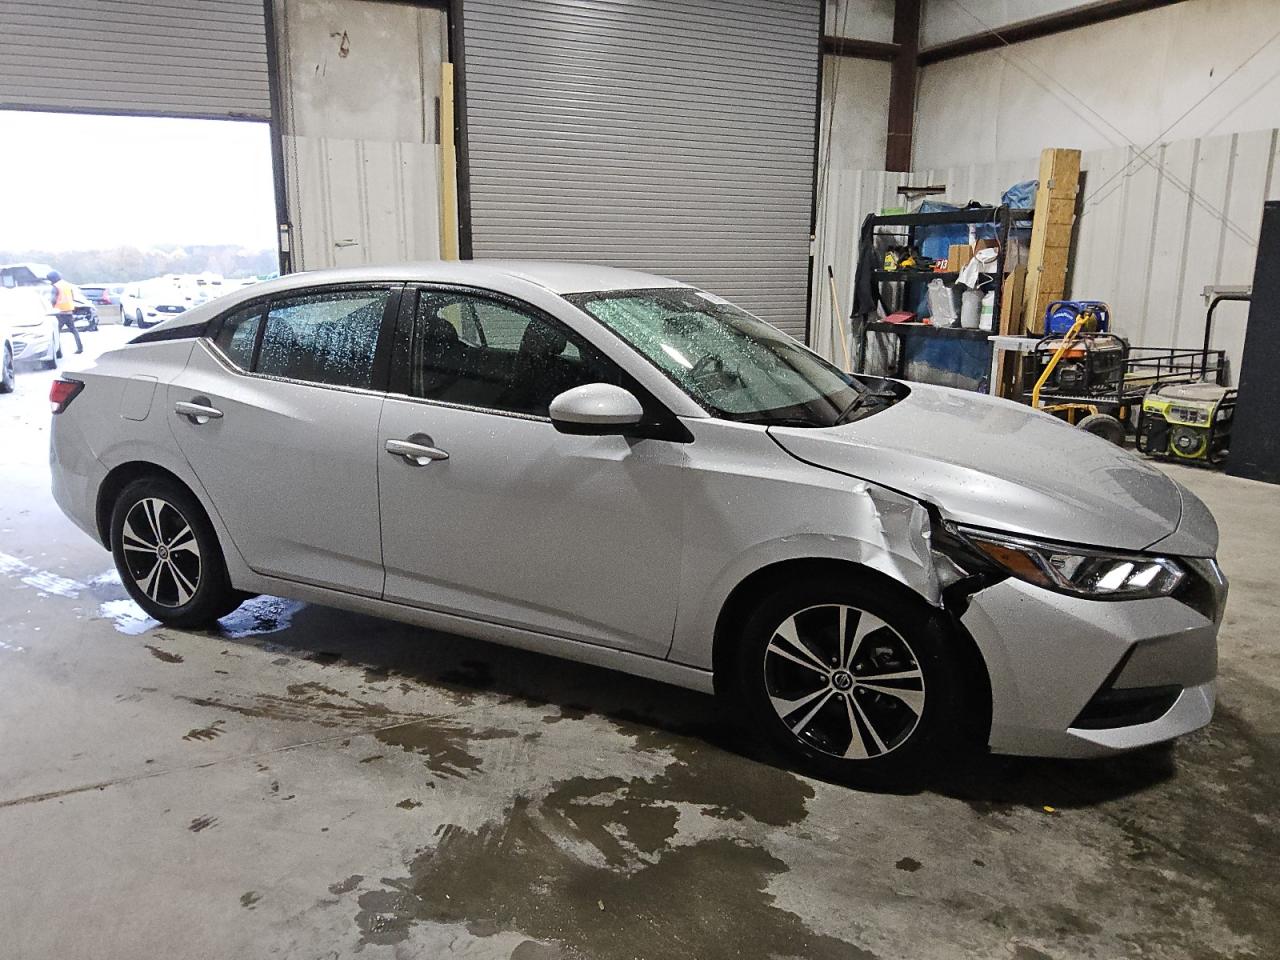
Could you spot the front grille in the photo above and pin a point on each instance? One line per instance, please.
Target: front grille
(170, 308)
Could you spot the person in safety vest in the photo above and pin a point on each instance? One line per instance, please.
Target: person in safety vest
(64, 306)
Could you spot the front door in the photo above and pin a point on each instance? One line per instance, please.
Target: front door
(495, 515)
(290, 460)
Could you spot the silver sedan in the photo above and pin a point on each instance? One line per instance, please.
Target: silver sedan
(620, 469)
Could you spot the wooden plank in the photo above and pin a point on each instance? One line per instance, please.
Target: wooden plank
(1011, 324)
(1050, 241)
(448, 168)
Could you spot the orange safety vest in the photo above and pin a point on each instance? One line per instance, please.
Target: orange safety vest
(64, 302)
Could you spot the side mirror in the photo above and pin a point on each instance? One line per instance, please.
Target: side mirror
(596, 409)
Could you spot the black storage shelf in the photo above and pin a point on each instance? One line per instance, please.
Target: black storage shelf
(1003, 217)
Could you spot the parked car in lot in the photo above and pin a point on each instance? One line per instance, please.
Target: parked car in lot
(7, 378)
(86, 312)
(624, 470)
(24, 274)
(146, 304)
(32, 329)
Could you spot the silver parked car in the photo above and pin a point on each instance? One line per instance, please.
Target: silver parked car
(624, 470)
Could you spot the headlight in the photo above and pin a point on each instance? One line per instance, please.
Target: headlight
(1079, 571)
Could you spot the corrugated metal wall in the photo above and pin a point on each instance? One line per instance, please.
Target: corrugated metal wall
(669, 135)
(1151, 236)
(185, 58)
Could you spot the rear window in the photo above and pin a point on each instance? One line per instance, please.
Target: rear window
(325, 338)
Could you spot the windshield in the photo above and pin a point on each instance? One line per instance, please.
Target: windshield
(733, 364)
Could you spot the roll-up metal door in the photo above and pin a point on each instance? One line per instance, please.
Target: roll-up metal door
(185, 58)
(675, 136)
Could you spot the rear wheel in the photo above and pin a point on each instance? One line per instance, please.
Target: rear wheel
(853, 682)
(6, 371)
(168, 555)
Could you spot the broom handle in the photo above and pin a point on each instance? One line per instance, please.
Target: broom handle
(839, 319)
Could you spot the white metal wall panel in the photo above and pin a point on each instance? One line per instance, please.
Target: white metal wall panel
(1153, 234)
(188, 58)
(675, 136)
(358, 202)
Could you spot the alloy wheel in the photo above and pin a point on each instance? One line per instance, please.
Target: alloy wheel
(844, 682)
(161, 552)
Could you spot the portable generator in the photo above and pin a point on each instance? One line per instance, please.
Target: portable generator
(1093, 364)
(1061, 315)
(1187, 421)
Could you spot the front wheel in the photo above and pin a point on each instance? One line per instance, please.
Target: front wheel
(854, 682)
(168, 555)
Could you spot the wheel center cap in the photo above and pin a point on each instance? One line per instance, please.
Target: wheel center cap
(162, 552)
(842, 680)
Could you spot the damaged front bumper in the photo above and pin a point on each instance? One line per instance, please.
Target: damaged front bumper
(1076, 677)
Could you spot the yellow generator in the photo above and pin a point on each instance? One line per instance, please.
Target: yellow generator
(1187, 422)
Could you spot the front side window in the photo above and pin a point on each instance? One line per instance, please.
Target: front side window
(325, 338)
(479, 352)
(733, 364)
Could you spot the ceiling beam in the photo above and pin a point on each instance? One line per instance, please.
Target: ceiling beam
(1038, 27)
(860, 49)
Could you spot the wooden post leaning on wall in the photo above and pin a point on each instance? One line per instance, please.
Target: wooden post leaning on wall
(1055, 218)
(448, 168)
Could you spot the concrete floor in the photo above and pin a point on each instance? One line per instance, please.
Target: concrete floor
(310, 783)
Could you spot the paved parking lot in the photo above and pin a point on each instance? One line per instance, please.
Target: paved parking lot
(310, 783)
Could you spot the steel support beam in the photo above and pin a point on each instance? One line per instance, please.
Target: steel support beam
(902, 85)
(1038, 27)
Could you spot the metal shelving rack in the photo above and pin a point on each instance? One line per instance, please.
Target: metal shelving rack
(1002, 216)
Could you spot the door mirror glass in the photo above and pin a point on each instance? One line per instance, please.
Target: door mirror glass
(596, 409)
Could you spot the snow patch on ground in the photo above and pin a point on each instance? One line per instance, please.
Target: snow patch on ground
(259, 616)
(42, 580)
(127, 617)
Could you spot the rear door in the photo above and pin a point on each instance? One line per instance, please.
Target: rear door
(288, 454)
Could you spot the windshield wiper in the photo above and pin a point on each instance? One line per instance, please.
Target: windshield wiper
(854, 406)
(784, 422)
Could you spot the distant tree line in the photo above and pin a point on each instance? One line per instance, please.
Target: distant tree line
(124, 264)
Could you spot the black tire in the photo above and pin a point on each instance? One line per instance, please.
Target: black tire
(138, 317)
(858, 734)
(124, 318)
(183, 581)
(6, 371)
(1105, 426)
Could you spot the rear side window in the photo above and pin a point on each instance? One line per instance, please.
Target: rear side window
(325, 338)
(238, 335)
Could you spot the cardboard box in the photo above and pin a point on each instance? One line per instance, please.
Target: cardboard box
(958, 254)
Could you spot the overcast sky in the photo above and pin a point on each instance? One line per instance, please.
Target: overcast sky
(72, 182)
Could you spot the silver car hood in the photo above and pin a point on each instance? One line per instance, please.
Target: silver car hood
(998, 464)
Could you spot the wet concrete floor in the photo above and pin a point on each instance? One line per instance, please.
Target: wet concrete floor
(304, 782)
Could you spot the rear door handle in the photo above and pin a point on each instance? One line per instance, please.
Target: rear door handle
(416, 452)
(197, 410)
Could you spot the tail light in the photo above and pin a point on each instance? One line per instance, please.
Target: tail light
(62, 392)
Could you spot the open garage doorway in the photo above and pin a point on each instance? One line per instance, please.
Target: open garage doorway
(144, 216)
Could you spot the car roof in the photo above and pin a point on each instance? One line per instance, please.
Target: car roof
(558, 277)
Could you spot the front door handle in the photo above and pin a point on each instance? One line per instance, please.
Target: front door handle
(197, 410)
(417, 450)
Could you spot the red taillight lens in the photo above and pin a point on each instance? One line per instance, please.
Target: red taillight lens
(62, 392)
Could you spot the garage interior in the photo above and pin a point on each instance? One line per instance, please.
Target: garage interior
(305, 782)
